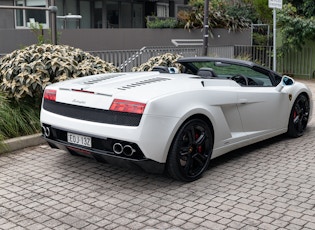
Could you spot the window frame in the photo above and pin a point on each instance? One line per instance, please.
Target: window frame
(166, 9)
(25, 23)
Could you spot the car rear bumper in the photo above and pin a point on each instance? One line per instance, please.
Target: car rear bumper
(147, 165)
(153, 136)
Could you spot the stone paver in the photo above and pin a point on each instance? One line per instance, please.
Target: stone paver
(269, 185)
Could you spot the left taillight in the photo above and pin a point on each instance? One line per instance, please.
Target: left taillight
(50, 94)
(127, 106)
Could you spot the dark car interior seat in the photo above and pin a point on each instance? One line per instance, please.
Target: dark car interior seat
(206, 72)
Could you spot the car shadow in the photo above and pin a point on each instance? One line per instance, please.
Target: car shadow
(250, 149)
(134, 177)
(241, 152)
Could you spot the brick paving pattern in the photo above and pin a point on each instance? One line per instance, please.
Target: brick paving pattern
(269, 185)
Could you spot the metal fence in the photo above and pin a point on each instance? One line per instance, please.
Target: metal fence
(295, 63)
(259, 54)
(126, 59)
(298, 63)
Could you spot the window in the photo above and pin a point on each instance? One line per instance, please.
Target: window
(112, 14)
(25, 18)
(162, 10)
(253, 76)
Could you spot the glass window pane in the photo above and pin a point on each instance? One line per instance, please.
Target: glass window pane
(60, 12)
(138, 16)
(98, 19)
(19, 18)
(71, 8)
(36, 15)
(41, 3)
(126, 11)
(162, 10)
(113, 15)
(85, 12)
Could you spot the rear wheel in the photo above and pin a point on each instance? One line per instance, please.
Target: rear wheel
(299, 116)
(191, 150)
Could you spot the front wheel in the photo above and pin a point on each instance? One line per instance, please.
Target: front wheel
(191, 150)
(299, 116)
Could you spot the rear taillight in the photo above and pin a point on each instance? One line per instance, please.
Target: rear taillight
(127, 106)
(50, 94)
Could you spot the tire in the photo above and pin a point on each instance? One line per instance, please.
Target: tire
(191, 150)
(299, 116)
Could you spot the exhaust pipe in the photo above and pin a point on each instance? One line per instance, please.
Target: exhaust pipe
(128, 150)
(46, 131)
(118, 148)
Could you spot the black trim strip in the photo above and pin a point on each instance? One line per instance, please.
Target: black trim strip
(92, 114)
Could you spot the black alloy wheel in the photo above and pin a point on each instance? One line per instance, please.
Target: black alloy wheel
(191, 150)
(299, 116)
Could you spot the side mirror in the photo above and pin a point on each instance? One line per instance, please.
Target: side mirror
(285, 81)
(165, 69)
(173, 70)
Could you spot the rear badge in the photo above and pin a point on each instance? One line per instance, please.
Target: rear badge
(78, 102)
(290, 97)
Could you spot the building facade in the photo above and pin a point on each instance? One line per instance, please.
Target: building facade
(99, 25)
(87, 14)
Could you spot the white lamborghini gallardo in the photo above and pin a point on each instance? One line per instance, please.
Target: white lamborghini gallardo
(174, 122)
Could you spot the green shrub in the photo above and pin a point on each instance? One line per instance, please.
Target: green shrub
(222, 14)
(17, 119)
(159, 23)
(167, 59)
(26, 72)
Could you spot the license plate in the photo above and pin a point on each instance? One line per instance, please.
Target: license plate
(79, 140)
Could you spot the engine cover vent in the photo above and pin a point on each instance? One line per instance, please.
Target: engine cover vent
(144, 82)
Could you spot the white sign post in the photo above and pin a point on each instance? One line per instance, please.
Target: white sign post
(275, 4)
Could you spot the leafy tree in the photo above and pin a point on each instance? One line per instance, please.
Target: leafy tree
(222, 14)
(242, 10)
(295, 29)
(197, 3)
(264, 13)
(309, 8)
(305, 7)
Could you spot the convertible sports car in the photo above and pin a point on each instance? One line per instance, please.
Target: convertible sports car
(175, 122)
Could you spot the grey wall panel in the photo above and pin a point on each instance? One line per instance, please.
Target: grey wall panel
(6, 15)
(12, 39)
(119, 39)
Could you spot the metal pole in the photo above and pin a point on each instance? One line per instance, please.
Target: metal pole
(274, 39)
(53, 21)
(205, 28)
(23, 8)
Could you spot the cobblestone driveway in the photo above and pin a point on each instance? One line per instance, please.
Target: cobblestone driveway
(269, 185)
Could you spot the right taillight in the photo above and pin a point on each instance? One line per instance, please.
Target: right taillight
(50, 94)
(127, 106)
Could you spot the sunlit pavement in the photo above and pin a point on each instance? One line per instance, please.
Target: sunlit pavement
(269, 185)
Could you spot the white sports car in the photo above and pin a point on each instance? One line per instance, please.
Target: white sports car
(174, 122)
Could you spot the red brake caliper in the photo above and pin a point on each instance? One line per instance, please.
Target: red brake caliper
(199, 147)
(294, 114)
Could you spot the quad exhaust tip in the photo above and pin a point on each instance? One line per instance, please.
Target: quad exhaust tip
(127, 150)
(46, 131)
(118, 148)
